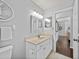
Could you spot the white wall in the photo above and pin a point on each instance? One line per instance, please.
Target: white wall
(21, 20)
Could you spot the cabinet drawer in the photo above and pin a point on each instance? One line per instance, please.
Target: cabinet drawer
(43, 45)
(31, 46)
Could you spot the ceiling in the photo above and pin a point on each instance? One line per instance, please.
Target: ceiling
(54, 4)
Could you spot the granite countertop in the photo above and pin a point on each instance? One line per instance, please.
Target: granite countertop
(37, 40)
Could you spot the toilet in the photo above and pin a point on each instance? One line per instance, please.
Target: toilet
(6, 52)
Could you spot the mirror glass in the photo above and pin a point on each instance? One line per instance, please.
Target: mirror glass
(36, 22)
(40, 23)
(48, 22)
(63, 25)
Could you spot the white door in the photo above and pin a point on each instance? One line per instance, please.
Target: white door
(75, 49)
(40, 54)
(75, 29)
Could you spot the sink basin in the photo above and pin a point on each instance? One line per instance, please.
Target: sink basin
(41, 37)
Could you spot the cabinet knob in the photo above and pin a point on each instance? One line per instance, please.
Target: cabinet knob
(44, 48)
(76, 40)
(41, 46)
(32, 53)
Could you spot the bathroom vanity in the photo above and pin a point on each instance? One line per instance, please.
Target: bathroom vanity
(38, 47)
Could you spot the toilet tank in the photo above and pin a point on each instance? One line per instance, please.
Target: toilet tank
(6, 52)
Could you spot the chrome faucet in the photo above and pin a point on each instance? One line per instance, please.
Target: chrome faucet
(39, 36)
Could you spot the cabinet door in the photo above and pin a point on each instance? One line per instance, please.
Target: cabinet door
(40, 54)
(46, 49)
(51, 43)
(43, 50)
(32, 54)
(27, 46)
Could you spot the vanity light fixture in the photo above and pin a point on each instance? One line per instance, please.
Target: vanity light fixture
(47, 20)
(33, 13)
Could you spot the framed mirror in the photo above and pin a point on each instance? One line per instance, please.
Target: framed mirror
(36, 24)
(48, 22)
(57, 26)
(40, 23)
(33, 24)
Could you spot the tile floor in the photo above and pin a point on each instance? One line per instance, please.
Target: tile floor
(57, 56)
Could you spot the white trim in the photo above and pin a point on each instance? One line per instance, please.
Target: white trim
(11, 30)
(65, 18)
(5, 48)
(65, 9)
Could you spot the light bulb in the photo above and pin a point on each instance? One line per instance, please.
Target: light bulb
(47, 20)
(36, 14)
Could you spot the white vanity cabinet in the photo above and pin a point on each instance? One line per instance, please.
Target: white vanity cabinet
(38, 51)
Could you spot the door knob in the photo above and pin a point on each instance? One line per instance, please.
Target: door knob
(75, 39)
(78, 40)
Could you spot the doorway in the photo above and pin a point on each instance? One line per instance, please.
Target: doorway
(64, 37)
